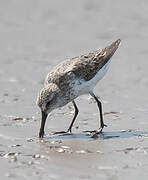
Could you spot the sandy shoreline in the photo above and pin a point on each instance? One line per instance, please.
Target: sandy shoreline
(37, 35)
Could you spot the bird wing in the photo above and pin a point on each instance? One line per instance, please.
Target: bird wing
(88, 65)
(84, 67)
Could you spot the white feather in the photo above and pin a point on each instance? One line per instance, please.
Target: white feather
(84, 87)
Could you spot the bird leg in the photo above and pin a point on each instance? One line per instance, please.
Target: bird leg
(69, 131)
(102, 125)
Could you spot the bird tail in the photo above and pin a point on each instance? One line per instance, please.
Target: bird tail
(109, 51)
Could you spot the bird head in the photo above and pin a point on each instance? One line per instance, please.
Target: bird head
(47, 102)
(47, 98)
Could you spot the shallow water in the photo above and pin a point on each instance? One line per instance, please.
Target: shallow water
(35, 36)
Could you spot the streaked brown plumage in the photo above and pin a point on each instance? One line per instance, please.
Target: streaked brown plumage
(72, 78)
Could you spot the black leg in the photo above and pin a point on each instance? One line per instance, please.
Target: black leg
(76, 113)
(102, 125)
(73, 120)
(44, 117)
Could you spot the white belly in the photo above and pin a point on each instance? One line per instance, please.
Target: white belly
(84, 87)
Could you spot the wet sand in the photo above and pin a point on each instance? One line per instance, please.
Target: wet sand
(37, 35)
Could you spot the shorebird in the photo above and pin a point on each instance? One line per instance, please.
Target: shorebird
(72, 78)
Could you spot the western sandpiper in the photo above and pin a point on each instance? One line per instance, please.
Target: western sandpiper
(72, 78)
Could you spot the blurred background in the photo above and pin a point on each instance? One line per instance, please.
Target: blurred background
(35, 35)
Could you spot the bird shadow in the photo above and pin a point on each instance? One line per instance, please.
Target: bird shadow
(103, 135)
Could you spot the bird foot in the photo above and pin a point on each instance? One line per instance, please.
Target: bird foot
(95, 132)
(89, 131)
(62, 133)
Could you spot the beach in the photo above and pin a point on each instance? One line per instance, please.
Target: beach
(37, 35)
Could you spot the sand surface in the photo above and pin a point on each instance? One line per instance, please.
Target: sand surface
(35, 35)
